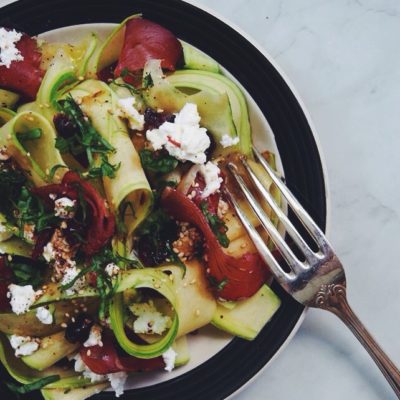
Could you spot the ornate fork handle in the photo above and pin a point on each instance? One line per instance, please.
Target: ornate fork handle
(333, 298)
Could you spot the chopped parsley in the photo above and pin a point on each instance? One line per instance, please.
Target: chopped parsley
(147, 81)
(104, 283)
(86, 140)
(157, 162)
(30, 210)
(216, 224)
(30, 387)
(215, 284)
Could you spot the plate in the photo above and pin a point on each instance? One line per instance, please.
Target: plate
(219, 366)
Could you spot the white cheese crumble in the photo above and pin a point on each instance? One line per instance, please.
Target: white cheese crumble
(126, 109)
(228, 141)
(24, 345)
(8, 50)
(65, 208)
(210, 173)
(184, 139)
(21, 298)
(44, 315)
(94, 338)
(169, 358)
(149, 320)
(112, 269)
(69, 275)
(80, 366)
(117, 380)
(49, 253)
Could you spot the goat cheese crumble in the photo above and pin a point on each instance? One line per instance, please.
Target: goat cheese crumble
(228, 141)
(44, 315)
(184, 139)
(65, 208)
(24, 345)
(21, 298)
(94, 338)
(112, 269)
(149, 320)
(169, 358)
(49, 252)
(116, 379)
(211, 175)
(126, 110)
(69, 275)
(8, 50)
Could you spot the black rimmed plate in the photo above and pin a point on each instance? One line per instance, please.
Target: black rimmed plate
(229, 369)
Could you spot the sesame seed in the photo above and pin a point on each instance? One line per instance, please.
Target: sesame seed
(89, 352)
(9, 257)
(181, 254)
(84, 309)
(63, 325)
(197, 312)
(81, 78)
(73, 319)
(243, 245)
(193, 193)
(157, 285)
(175, 250)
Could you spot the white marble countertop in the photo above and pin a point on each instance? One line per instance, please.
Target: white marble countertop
(343, 58)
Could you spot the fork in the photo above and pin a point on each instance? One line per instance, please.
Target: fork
(315, 280)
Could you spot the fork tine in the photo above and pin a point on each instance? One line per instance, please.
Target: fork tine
(276, 237)
(290, 229)
(312, 228)
(258, 241)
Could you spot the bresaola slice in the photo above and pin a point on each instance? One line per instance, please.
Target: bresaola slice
(242, 276)
(101, 223)
(145, 40)
(106, 360)
(24, 76)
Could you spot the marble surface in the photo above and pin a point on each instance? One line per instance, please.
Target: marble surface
(343, 58)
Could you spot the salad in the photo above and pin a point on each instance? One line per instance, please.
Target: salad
(116, 237)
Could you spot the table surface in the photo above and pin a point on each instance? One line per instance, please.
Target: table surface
(343, 57)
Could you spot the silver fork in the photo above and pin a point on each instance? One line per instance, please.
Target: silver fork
(319, 279)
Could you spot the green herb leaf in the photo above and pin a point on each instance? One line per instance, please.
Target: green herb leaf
(157, 163)
(30, 387)
(147, 81)
(216, 224)
(86, 141)
(25, 274)
(55, 168)
(32, 134)
(105, 285)
(217, 285)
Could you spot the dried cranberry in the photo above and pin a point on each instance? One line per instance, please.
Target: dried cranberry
(79, 330)
(154, 119)
(64, 126)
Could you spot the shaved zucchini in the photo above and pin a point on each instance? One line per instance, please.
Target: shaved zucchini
(196, 59)
(52, 349)
(249, 316)
(213, 107)
(8, 99)
(210, 81)
(74, 394)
